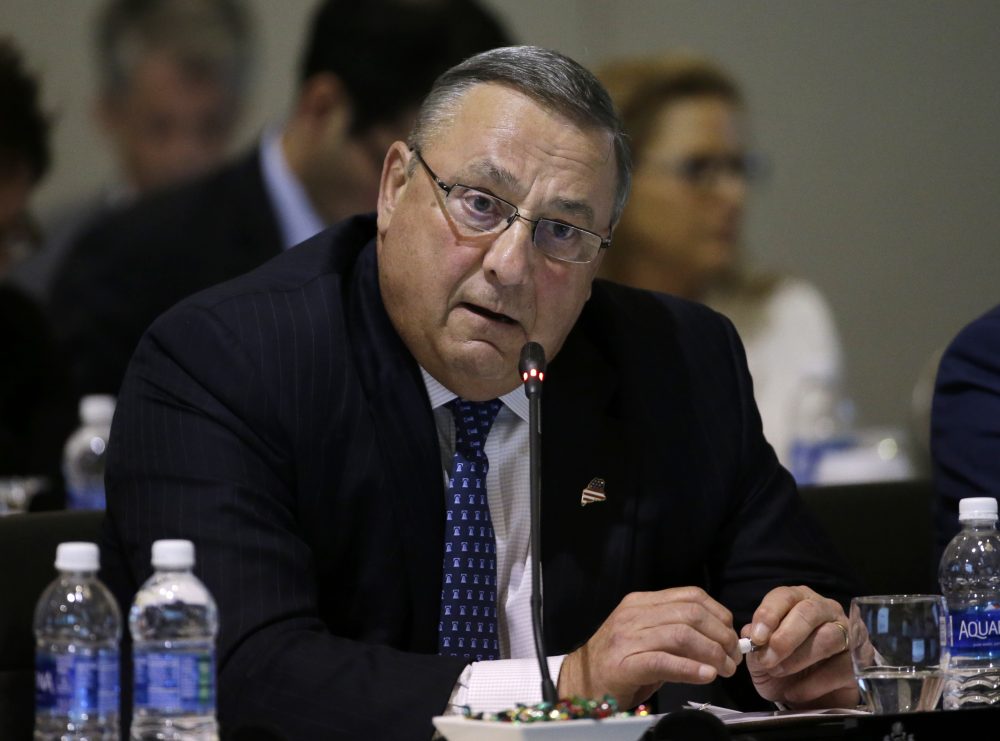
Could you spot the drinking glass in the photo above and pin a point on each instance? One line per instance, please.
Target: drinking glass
(896, 649)
(16, 493)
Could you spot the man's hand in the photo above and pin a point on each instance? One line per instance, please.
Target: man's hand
(674, 635)
(806, 661)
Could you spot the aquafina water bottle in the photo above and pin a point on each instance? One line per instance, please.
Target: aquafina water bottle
(77, 632)
(820, 427)
(970, 583)
(85, 453)
(173, 623)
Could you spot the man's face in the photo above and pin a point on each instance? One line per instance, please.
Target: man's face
(463, 305)
(169, 124)
(347, 167)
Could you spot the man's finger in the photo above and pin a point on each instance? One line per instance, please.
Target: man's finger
(772, 610)
(656, 667)
(798, 624)
(815, 687)
(826, 641)
(687, 641)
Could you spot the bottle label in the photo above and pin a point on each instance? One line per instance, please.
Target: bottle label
(974, 632)
(175, 681)
(806, 457)
(68, 684)
(85, 497)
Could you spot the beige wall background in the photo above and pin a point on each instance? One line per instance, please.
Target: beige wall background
(881, 120)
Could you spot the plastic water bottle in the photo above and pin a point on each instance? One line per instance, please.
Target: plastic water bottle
(77, 631)
(821, 422)
(85, 452)
(173, 622)
(970, 582)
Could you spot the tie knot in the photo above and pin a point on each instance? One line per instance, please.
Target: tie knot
(473, 420)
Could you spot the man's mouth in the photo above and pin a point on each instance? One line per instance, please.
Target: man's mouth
(484, 312)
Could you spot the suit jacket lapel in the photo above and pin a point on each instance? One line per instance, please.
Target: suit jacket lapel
(401, 412)
(585, 550)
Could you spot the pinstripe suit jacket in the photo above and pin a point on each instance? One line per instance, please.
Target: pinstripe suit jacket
(280, 423)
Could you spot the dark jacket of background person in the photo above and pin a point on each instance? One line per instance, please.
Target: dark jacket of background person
(136, 264)
(280, 421)
(36, 410)
(37, 413)
(381, 56)
(965, 421)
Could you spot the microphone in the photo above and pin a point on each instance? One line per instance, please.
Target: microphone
(532, 369)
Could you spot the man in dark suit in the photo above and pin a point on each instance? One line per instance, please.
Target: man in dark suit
(365, 69)
(173, 78)
(301, 425)
(965, 421)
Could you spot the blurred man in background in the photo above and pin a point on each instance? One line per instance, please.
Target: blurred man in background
(365, 69)
(173, 77)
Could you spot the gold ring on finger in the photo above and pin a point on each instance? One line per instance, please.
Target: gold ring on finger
(847, 639)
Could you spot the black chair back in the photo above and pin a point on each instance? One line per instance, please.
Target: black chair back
(884, 531)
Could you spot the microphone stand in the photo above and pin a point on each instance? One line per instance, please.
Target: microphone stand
(532, 368)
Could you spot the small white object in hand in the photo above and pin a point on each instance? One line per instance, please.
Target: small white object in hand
(746, 646)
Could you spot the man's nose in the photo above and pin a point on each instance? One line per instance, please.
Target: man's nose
(731, 186)
(509, 257)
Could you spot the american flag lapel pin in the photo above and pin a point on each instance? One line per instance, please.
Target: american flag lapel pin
(594, 492)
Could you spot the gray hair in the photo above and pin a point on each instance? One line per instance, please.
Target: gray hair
(208, 38)
(548, 77)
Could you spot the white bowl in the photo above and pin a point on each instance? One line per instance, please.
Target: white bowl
(458, 728)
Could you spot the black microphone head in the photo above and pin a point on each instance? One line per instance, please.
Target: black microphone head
(532, 368)
(532, 356)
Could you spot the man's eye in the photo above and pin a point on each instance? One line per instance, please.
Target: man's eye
(481, 203)
(559, 240)
(479, 210)
(697, 168)
(563, 232)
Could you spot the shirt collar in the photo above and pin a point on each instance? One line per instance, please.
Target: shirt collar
(297, 218)
(514, 400)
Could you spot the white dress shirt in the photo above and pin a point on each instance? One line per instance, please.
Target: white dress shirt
(491, 686)
(297, 219)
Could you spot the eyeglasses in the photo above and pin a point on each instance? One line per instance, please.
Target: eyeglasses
(705, 170)
(480, 212)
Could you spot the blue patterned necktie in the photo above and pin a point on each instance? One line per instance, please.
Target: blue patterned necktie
(468, 626)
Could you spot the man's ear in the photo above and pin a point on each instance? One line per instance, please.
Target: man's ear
(393, 183)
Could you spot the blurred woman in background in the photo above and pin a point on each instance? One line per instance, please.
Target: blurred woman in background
(37, 412)
(682, 229)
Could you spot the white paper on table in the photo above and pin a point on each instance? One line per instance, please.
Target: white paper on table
(770, 717)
